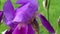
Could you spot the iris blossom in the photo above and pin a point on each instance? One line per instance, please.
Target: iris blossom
(22, 20)
(18, 19)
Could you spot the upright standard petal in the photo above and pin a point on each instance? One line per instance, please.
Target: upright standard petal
(25, 13)
(1, 15)
(8, 12)
(26, 1)
(20, 29)
(46, 24)
(22, 1)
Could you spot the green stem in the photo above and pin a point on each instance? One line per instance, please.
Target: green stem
(48, 8)
(58, 31)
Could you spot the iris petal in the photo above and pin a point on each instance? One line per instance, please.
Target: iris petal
(30, 30)
(25, 13)
(46, 24)
(20, 29)
(8, 12)
(22, 1)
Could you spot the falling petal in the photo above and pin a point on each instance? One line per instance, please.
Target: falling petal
(20, 29)
(46, 24)
(30, 29)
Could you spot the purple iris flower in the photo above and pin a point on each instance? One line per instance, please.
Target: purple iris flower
(22, 15)
(20, 20)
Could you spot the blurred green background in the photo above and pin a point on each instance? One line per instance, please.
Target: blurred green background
(54, 13)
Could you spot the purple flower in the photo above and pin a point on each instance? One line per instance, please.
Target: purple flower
(21, 20)
(23, 15)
